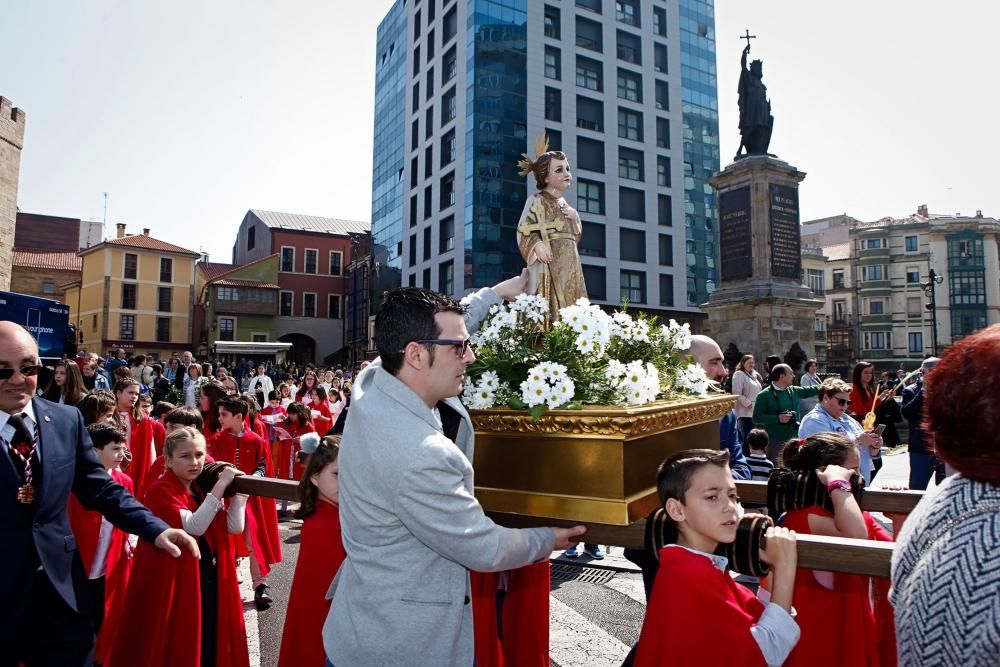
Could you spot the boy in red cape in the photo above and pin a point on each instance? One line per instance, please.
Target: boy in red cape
(320, 555)
(697, 614)
(248, 452)
(174, 618)
(104, 549)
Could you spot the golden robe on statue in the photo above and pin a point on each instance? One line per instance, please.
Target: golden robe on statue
(553, 221)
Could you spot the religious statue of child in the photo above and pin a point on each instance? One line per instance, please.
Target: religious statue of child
(549, 230)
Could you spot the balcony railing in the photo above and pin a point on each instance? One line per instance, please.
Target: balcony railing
(840, 321)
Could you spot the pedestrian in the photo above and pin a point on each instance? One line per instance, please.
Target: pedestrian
(98, 407)
(708, 354)
(746, 385)
(160, 385)
(923, 462)
(141, 432)
(810, 378)
(865, 398)
(140, 371)
(67, 385)
(191, 384)
(760, 465)
(777, 408)
(830, 416)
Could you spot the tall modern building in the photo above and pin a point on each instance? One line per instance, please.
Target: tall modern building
(627, 88)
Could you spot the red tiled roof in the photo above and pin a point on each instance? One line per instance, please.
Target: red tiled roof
(236, 282)
(212, 270)
(46, 259)
(144, 242)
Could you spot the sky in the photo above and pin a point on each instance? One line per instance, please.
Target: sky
(189, 113)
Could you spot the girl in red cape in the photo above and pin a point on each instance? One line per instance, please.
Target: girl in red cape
(104, 549)
(140, 431)
(324, 420)
(832, 604)
(186, 612)
(320, 555)
(297, 423)
(524, 617)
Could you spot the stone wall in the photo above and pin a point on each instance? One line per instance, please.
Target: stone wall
(11, 143)
(33, 281)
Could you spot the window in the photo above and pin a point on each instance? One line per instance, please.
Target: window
(164, 299)
(449, 26)
(227, 328)
(914, 306)
(838, 279)
(416, 96)
(589, 73)
(590, 197)
(965, 253)
(448, 148)
(663, 171)
(553, 63)
(662, 95)
(251, 237)
(666, 290)
(630, 164)
(131, 266)
(660, 58)
(915, 342)
(413, 249)
(632, 245)
(446, 235)
(227, 294)
(287, 259)
(312, 258)
(553, 104)
(588, 35)
(446, 277)
(552, 28)
(308, 304)
(629, 48)
(333, 306)
(871, 244)
(627, 11)
(590, 154)
(873, 272)
(662, 133)
(414, 171)
(878, 340)
(589, 114)
(259, 337)
(162, 329)
(414, 134)
(633, 287)
(416, 60)
(448, 109)
(876, 306)
(964, 323)
(660, 21)
(448, 191)
(912, 275)
(427, 278)
(629, 124)
(591, 5)
(840, 312)
(429, 122)
(593, 241)
(449, 66)
(416, 26)
(632, 204)
(629, 86)
(430, 41)
(815, 281)
(93, 321)
(595, 279)
(48, 287)
(911, 243)
(664, 210)
(285, 304)
(126, 327)
(429, 161)
(427, 243)
(967, 288)
(128, 296)
(555, 139)
(666, 250)
(336, 262)
(428, 202)
(413, 210)
(430, 16)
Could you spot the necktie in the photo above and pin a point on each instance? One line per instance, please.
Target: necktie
(22, 453)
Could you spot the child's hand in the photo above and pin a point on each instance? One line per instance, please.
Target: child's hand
(832, 473)
(228, 474)
(780, 552)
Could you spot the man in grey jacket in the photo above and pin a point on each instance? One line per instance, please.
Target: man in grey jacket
(411, 526)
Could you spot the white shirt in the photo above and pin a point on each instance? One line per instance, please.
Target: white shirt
(7, 431)
(98, 567)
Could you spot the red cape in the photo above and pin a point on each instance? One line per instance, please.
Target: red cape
(286, 449)
(142, 444)
(161, 614)
(262, 513)
(320, 555)
(86, 526)
(843, 613)
(525, 617)
(697, 615)
(324, 422)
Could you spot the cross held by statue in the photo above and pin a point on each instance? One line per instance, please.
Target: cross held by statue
(748, 37)
(543, 227)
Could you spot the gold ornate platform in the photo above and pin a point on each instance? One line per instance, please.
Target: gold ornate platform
(596, 465)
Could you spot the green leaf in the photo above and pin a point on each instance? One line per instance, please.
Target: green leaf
(515, 403)
(537, 411)
(573, 405)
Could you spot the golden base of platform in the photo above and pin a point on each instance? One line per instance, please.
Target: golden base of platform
(595, 465)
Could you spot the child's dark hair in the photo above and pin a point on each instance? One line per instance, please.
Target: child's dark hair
(325, 454)
(96, 404)
(673, 479)
(105, 434)
(161, 408)
(320, 392)
(300, 410)
(233, 405)
(816, 451)
(273, 395)
(757, 439)
(185, 416)
(250, 404)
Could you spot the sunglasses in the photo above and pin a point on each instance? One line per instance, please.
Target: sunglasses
(844, 402)
(27, 371)
(461, 346)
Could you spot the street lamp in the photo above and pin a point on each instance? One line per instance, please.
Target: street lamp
(932, 279)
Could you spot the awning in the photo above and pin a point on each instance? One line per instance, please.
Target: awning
(246, 347)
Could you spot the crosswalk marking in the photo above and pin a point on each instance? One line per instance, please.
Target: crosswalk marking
(574, 640)
(630, 586)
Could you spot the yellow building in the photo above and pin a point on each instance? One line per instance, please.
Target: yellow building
(136, 293)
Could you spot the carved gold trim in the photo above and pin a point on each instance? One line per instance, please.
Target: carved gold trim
(606, 421)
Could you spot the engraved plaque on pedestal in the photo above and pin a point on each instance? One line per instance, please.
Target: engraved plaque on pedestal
(735, 240)
(783, 210)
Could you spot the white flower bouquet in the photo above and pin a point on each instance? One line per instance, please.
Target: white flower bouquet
(586, 357)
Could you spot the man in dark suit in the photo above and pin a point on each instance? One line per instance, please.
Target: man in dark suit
(182, 371)
(45, 452)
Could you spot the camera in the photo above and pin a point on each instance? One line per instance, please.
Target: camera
(793, 421)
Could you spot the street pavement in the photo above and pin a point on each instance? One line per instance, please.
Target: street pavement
(594, 619)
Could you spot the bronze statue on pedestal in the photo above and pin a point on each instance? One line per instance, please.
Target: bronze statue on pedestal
(756, 121)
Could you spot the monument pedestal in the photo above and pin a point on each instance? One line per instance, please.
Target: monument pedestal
(761, 306)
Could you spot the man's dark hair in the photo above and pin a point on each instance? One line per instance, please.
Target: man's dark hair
(233, 405)
(161, 408)
(185, 416)
(407, 315)
(105, 434)
(673, 479)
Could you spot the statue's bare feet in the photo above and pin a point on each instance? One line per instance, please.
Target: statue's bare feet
(511, 288)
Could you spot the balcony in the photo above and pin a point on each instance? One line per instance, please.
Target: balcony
(966, 262)
(840, 321)
(245, 308)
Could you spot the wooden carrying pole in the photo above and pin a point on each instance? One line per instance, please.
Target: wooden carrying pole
(836, 554)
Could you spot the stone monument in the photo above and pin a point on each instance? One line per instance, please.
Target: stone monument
(760, 306)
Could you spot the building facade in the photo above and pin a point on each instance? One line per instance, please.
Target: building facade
(11, 143)
(626, 88)
(44, 273)
(136, 292)
(312, 253)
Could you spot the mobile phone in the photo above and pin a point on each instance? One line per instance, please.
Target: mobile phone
(879, 429)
